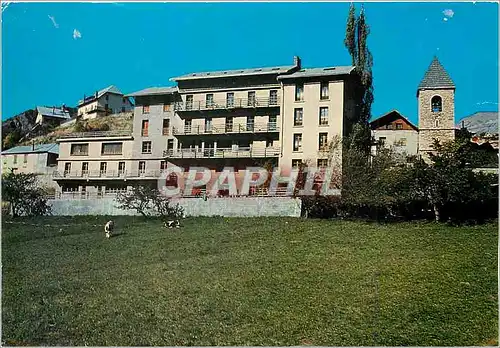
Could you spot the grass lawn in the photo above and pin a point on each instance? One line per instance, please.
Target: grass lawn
(248, 281)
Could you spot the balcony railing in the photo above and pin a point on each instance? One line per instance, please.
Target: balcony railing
(234, 152)
(96, 134)
(109, 174)
(225, 104)
(264, 127)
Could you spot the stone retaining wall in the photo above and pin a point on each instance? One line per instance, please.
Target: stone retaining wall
(232, 206)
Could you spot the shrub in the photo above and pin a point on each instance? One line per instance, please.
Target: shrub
(25, 196)
(148, 202)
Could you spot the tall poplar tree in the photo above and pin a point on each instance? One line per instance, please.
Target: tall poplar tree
(357, 31)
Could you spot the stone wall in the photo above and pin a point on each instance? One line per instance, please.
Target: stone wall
(428, 130)
(233, 206)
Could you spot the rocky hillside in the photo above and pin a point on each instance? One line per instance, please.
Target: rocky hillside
(122, 121)
(22, 127)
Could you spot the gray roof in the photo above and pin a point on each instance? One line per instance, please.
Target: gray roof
(238, 72)
(153, 91)
(109, 89)
(318, 72)
(53, 112)
(39, 148)
(481, 122)
(436, 77)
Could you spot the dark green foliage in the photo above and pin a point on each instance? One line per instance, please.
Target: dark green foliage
(21, 190)
(356, 42)
(148, 202)
(11, 139)
(387, 187)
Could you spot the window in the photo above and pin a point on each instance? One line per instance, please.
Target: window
(229, 124)
(166, 126)
(106, 106)
(251, 98)
(299, 92)
(85, 168)
(209, 101)
(79, 149)
(399, 125)
(116, 188)
(298, 117)
(323, 116)
(104, 168)
(402, 142)
(189, 102)
(273, 97)
(230, 100)
(142, 167)
(323, 162)
(123, 108)
(381, 141)
(323, 141)
(163, 165)
(389, 126)
(146, 147)
(145, 109)
(187, 126)
(111, 149)
(269, 143)
(208, 125)
(436, 124)
(124, 100)
(145, 128)
(166, 107)
(323, 94)
(250, 123)
(107, 97)
(67, 168)
(436, 104)
(272, 123)
(296, 163)
(297, 142)
(121, 168)
(25, 160)
(15, 159)
(170, 144)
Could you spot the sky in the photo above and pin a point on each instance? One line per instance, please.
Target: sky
(54, 53)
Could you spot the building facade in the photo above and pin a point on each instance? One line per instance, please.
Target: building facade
(393, 130)
(277, 116)
(109, 100)
(37, 159)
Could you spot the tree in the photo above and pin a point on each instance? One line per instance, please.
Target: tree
(148, 202)
(350, 34)
(357, 31)
(21, 190)
(449, 181)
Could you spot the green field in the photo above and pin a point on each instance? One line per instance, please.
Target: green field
(248, 281)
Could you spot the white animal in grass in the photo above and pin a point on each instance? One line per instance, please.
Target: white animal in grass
(108, 228)
(172, 224)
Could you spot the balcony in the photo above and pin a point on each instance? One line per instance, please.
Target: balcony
(234, 152)
(109, 174)
(227, 104)
(228, 128)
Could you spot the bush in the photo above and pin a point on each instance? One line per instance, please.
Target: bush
(148, 202)
(25, 196)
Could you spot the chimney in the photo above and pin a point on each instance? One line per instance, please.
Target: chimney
(96, 94)
(33, 145)
(463, 124)
(297, 62)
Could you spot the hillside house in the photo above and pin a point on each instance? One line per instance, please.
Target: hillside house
(107, 101)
